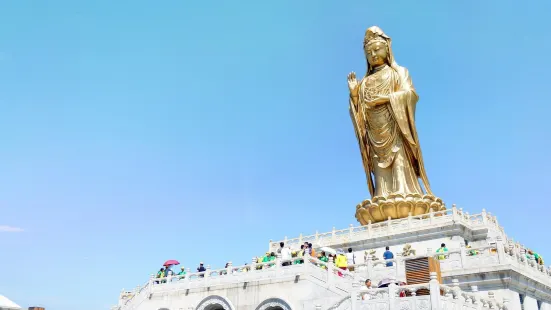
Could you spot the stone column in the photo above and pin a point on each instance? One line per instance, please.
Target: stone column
(530, 303)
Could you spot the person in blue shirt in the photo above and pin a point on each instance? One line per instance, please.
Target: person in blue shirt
(388, 255)
(201, 268)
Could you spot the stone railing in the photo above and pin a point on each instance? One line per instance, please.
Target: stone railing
(432, 295)
(325, 273)
(463, 258)
(390, 227)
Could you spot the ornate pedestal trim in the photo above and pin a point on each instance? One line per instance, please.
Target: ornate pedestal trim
(396, 206)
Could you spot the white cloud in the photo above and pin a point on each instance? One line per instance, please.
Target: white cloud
(5, 228)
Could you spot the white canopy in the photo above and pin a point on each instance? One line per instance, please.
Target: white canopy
(6, 304)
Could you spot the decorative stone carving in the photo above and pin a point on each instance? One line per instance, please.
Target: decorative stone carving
(217, 301)
(372, 255)
(396, 206)
(423, 305)
(273, 303)
(405, 305)
(408, 250)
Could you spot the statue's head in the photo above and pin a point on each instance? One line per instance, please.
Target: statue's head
(377, 48)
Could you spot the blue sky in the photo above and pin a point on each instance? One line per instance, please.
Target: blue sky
(135, 132)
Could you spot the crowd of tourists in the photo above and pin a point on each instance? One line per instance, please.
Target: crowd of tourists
(340, 259)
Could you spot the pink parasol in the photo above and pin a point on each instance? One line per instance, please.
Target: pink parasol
(171, 262)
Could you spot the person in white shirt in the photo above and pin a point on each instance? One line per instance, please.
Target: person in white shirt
(286, 256)
(367, 296)
(351, 258)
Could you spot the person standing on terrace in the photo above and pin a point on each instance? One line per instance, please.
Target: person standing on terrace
(201, 268)
(388, 255)
(342, 261)
(281, 246)
(442, 249)
(286, 256)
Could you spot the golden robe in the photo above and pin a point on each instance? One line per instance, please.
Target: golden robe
(387, 135)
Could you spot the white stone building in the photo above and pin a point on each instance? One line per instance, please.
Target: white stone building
(500, 276)
(6, 304)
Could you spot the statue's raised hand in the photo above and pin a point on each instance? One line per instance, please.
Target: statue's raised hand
(352, 84)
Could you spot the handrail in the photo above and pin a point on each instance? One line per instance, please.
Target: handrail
(412, 222)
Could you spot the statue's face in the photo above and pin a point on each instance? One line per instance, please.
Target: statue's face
(377, 53)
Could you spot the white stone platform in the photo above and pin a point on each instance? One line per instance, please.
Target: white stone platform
(500, 276)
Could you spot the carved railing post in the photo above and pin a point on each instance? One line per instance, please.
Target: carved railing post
(484, 217)
(431, 215)
(229, 269)
(491, 300)
(253, 264)
(169, 277)
(369, 264)
(330, 271)
(456, 291)
(388, 224)
(333, 236)
(188, 273)
(354, 296)
(317, 239)
(351, 230)
(278, 261)
(369, 229)
(392, 295)
(505, 303)
(410, 220)
(434, 288)
(500, 250)
(300, 239)
(463, 254)
(398, 264)
(455, 216)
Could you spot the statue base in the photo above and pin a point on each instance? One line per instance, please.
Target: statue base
(396, 206)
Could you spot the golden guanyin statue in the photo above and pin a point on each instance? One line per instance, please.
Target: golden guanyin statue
(382, 108)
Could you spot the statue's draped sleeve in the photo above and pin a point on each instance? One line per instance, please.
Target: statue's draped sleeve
(403, 102)
(360, 128)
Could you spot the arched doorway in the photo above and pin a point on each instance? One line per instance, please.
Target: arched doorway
(215, 303)
(274, 304)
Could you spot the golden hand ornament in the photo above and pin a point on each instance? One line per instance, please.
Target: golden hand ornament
(353, 84)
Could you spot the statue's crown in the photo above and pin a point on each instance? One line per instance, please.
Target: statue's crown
(374, 34)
